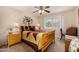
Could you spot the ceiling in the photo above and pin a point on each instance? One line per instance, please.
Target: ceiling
(53, 9)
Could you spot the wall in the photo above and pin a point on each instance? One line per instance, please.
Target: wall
(40, 21)
(9, 16)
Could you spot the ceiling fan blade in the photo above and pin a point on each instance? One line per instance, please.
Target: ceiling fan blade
(47, 7)
(35, 11)
(47, 11)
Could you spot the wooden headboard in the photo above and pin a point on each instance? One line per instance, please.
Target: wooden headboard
(27, 28)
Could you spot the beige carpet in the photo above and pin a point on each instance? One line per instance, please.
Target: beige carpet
(22, 47)
(57, 47)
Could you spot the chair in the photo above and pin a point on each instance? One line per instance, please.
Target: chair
(62, 35)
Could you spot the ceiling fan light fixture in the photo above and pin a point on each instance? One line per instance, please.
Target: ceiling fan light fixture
(41, 11)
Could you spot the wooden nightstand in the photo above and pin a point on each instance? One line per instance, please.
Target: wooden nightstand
(13, 38)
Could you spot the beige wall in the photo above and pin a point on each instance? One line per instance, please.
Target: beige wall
(40, 20)
(9, 16)
(69, 19)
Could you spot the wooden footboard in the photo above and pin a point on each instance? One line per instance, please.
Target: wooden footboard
(50, 39)
(46, 45)
(45, 40)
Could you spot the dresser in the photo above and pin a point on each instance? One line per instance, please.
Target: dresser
(13, 38)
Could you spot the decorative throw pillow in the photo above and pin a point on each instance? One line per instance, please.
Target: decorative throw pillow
(37, 27)
(32, 28)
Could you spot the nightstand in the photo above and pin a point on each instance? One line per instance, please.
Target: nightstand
(13, 38)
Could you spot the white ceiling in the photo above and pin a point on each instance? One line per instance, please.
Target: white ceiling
(53, 9)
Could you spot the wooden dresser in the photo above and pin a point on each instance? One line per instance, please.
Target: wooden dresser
(13, 38)
(72, 31)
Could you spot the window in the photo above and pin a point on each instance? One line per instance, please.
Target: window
(54, 22)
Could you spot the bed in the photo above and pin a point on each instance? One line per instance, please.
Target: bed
(39, 41)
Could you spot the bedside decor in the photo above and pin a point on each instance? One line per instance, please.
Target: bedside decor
(14, 28)
(10, 29)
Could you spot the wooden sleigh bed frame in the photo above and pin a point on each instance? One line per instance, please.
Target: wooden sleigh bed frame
(38, 40)
(43, 41)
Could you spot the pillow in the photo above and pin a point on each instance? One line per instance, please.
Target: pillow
(27, 28)
(24, 28)
(32, 28)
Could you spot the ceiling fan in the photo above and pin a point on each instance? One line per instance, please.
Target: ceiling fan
(42, 9)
